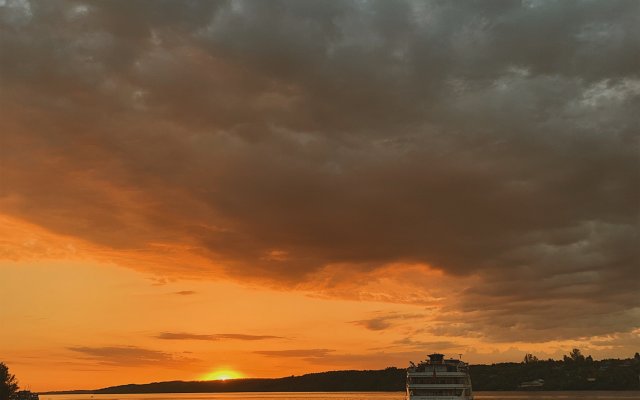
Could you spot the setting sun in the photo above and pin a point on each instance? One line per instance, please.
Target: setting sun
(221, 375)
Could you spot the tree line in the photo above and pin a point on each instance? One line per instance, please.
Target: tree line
(573, 372)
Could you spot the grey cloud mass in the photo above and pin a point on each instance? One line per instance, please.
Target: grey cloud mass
(490, 139)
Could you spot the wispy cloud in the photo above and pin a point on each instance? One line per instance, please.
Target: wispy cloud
(299, 353)
(386, 321)
(436, 345)
(213, 337)
(185, 292)
(131, 356)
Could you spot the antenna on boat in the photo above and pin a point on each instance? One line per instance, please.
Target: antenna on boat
(460, 356)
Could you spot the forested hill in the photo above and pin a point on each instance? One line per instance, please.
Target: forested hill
(390, 379)
(572, 373)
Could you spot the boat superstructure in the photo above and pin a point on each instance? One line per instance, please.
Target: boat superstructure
(439, 379)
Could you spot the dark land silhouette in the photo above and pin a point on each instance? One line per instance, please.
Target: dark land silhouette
(574, 372)
(9, 388)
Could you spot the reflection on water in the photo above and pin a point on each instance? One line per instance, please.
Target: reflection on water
(605, 395)
(234, 396)
(345, 396)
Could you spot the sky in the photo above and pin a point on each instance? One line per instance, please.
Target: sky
(205, 189)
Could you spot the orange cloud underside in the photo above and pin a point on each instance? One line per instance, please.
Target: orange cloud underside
(24, 241)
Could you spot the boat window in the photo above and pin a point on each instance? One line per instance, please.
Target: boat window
(437, 392)
(437, 380)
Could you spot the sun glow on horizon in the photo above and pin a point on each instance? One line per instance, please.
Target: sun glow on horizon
(221, 375)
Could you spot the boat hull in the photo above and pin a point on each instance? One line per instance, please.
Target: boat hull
(439, 379)
(409, 397)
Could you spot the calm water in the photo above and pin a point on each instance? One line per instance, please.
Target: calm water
(346, 396)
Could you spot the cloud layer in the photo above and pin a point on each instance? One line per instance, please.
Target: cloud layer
(276, 141)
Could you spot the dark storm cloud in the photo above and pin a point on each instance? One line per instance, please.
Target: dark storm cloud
(217, 336)
(130, 355)
(496, 139)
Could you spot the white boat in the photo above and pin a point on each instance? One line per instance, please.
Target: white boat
(439, 379)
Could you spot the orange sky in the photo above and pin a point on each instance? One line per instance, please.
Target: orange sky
(76, 321)
(190, 190)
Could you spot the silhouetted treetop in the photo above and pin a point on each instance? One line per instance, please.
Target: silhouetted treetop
(8, 383)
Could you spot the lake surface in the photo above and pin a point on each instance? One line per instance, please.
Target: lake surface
(345, 396)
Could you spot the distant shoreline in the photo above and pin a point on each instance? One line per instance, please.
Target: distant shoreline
(558, 376)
